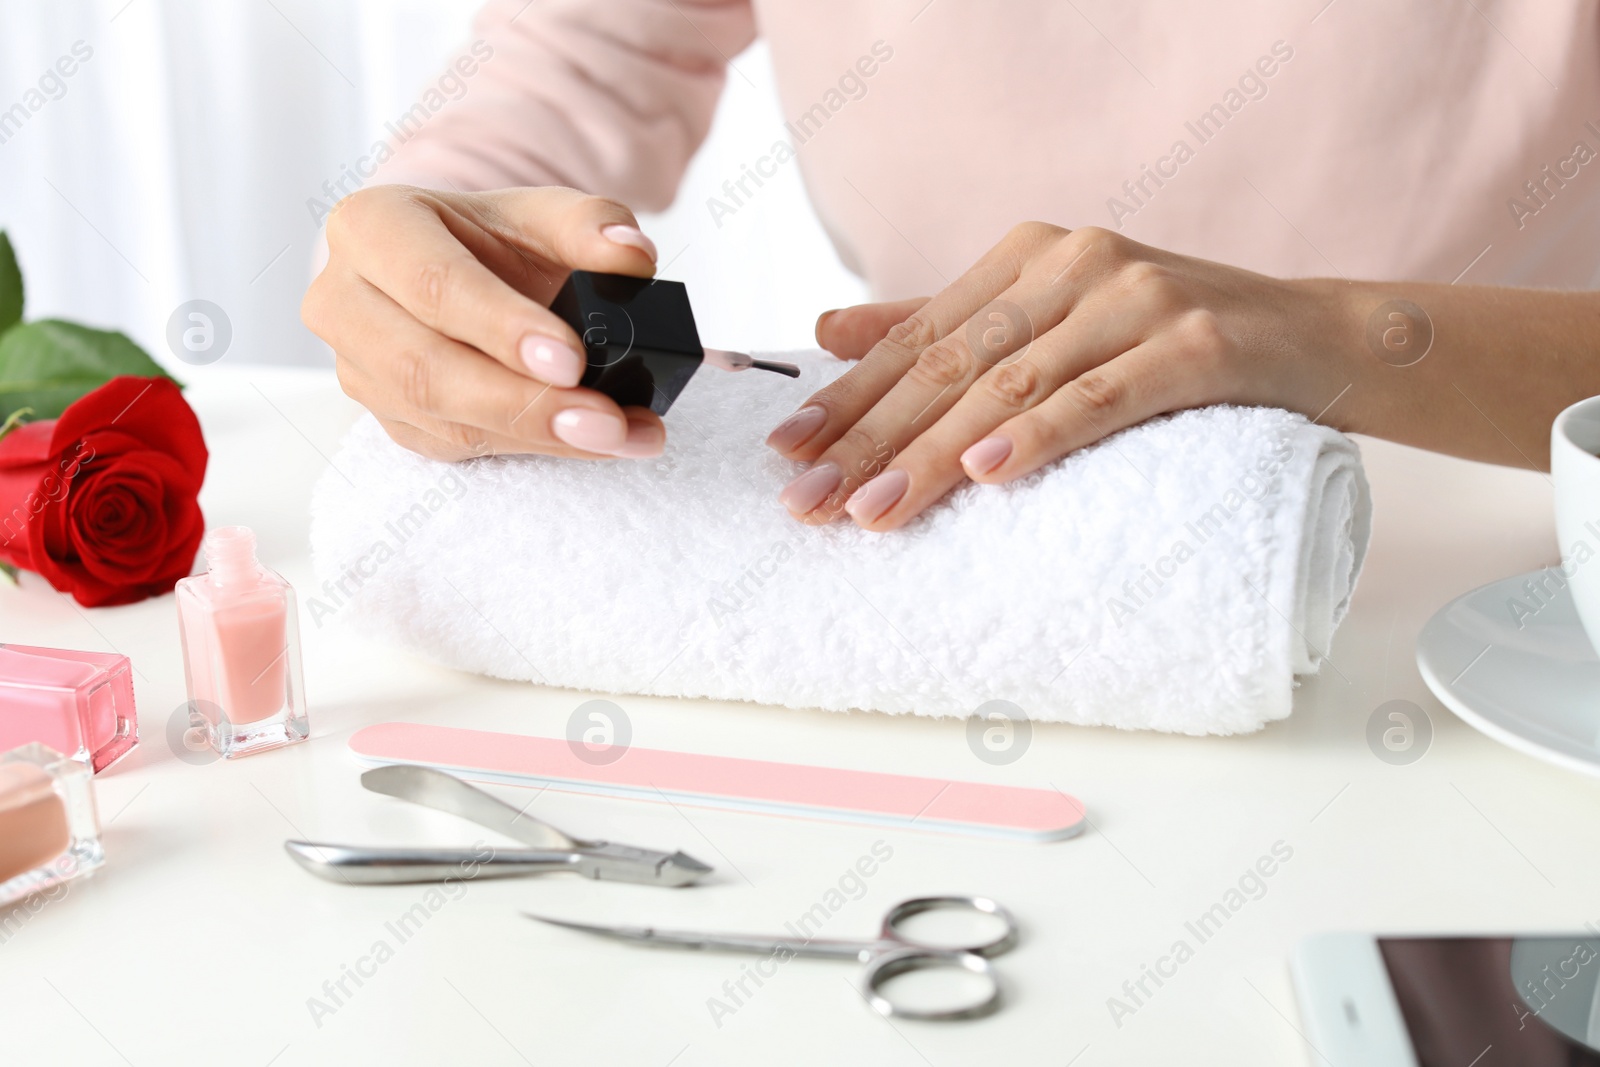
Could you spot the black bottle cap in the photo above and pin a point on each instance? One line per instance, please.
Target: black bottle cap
(639, 337)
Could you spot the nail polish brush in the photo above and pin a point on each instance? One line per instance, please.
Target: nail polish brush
(722, 359)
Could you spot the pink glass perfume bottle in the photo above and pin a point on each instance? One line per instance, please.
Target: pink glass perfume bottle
(78, 703)
(49, 830)
(241, 648)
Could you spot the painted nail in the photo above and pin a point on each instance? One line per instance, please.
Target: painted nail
(592, 431)
(798, 428)
(645, 441)
(618, 234)
(811, 488)
(551, 361)
(871, 501)
(986, 455)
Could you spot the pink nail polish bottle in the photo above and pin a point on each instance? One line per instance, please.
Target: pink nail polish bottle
(78, 703)
(241, 649)
(49, 829)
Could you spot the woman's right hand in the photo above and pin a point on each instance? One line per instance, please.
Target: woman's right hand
(436, 306)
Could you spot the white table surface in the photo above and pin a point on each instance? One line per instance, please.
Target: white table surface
(200, 942)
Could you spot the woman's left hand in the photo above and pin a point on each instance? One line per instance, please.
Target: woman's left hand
(1053, 340)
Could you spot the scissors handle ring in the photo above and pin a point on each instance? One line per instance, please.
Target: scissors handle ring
(1001, 942)
(882, 969)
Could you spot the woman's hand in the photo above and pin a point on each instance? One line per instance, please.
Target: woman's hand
(435, 306)
(1054, 340)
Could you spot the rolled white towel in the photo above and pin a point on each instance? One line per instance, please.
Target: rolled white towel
(1177, 576)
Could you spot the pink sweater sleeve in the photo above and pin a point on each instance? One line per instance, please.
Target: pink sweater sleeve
(609, 96)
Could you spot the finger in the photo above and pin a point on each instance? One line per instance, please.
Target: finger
(402, 370)
(559, 226)
(1095, 405)
(1135, 386)
(451, 443)
(850, 333)
(647, 436)
(940, 380)
(842, 403)
(420, 251)
(940, 344)
(931, 462)
(1053, 295)
(455, 393)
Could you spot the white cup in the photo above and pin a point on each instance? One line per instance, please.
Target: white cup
(1575, 469)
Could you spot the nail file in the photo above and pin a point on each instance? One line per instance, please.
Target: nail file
(761, 786)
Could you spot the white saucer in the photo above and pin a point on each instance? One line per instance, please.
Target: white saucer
(1530, 681)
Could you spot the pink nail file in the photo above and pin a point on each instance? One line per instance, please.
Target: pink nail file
(762, 786)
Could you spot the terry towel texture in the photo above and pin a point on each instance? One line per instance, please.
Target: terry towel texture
(1177, 576)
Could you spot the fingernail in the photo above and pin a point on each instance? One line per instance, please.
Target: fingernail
(823, 318)
(592, 431)
(551, 361)
(879, 495)
(645, 441)
(986, 455)
(631, 236)
(798, 428)
(811, 488)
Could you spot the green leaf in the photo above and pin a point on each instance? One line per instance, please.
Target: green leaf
(8, 573)
(14, 420)
(10, 285)
(46, 365)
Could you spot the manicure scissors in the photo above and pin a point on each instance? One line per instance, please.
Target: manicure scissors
(893, 953)
(551, 850)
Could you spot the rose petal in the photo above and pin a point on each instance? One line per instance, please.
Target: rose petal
(149, 410)
(113, 554)
(107, 493)
(27, 445)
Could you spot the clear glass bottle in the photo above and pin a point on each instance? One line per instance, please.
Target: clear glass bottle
(78, 703)
(241, 649)
(49, 829)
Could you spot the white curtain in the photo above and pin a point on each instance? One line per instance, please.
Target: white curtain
(176, 163)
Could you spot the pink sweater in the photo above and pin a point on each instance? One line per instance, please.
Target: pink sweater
(1416, 139)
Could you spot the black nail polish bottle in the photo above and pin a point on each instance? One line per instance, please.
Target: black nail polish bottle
(639, 338)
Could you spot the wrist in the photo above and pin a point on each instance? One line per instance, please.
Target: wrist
(1340, 322)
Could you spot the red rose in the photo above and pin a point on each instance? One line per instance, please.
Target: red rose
(102, 501)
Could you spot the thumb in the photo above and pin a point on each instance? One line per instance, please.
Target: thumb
(577, 231)
(850, 333)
